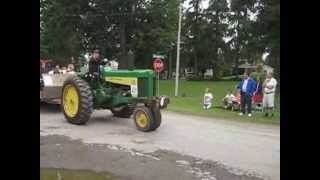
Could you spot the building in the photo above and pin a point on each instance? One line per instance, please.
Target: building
(267, 68)
(253, 68)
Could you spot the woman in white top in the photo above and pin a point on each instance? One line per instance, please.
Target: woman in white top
(207, 99)
(269, 89)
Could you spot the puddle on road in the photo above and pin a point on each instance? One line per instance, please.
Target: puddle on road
(52, 127)
(63, 174)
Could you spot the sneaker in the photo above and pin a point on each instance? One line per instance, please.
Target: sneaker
(241, 114)
(249, 115)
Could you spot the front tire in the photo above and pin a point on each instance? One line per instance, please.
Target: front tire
(147, 119)
(76, 101)
(157, 117)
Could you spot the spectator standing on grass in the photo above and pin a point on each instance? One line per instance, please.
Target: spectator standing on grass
(269, 89)
(246, 87)
(207, 99)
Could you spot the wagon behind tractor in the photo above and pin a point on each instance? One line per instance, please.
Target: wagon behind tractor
(50, 84)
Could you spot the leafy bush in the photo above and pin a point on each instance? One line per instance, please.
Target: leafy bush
(195, 78)
(184, 94)
(253, 75)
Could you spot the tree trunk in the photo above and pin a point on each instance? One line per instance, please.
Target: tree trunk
(237, 64)
(170, 65)
(123, 63)
(195, 63)
(216, 69)
(277, 68)
(237, 53)
(197, 37)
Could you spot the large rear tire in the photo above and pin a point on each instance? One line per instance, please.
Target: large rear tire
(76, 101)
(146, 119)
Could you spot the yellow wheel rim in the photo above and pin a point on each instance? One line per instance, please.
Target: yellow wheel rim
(141, 119)
(70, 100)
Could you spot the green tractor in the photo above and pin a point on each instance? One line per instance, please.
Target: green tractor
(124, 92)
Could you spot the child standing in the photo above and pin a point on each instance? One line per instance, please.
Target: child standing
(207, 99)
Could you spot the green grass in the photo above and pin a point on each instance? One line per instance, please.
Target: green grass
(192, 102)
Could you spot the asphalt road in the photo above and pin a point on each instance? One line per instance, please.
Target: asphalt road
(183, 147)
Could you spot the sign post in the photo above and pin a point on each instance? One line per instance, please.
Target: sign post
(178, 52)
(158, 56)
(158, 84)
(158, 67)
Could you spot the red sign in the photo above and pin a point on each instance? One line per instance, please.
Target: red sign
(158, 65)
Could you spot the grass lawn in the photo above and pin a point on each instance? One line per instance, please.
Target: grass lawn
(192, 102)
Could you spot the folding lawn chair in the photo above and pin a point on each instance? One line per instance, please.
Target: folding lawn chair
(257, 103)
(236, 104)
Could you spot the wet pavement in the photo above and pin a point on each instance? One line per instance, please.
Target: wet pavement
(60, 174)
(184, 147)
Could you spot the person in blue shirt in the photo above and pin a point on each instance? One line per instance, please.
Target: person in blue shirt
(246, 87)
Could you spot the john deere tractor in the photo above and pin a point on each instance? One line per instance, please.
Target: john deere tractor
(124, 92)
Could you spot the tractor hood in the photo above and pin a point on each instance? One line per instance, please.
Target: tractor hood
(141, 82)
(127, 73)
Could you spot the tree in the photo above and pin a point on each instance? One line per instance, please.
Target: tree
(217, 36)
(268, 24)
(239, 31)
(141, 26)
(43, 46)
(60, 20)
(192, 28)
(204, 33)
(217, 17)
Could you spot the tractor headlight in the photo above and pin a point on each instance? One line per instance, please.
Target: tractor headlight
(164, 101)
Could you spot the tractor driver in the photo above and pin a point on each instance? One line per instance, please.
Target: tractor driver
(94, 64)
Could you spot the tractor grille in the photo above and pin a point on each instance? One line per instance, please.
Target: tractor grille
(142, 87)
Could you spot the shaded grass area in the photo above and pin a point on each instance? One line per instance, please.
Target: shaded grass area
(190, 99)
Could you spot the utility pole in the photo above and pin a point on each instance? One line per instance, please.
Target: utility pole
(178, 52)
